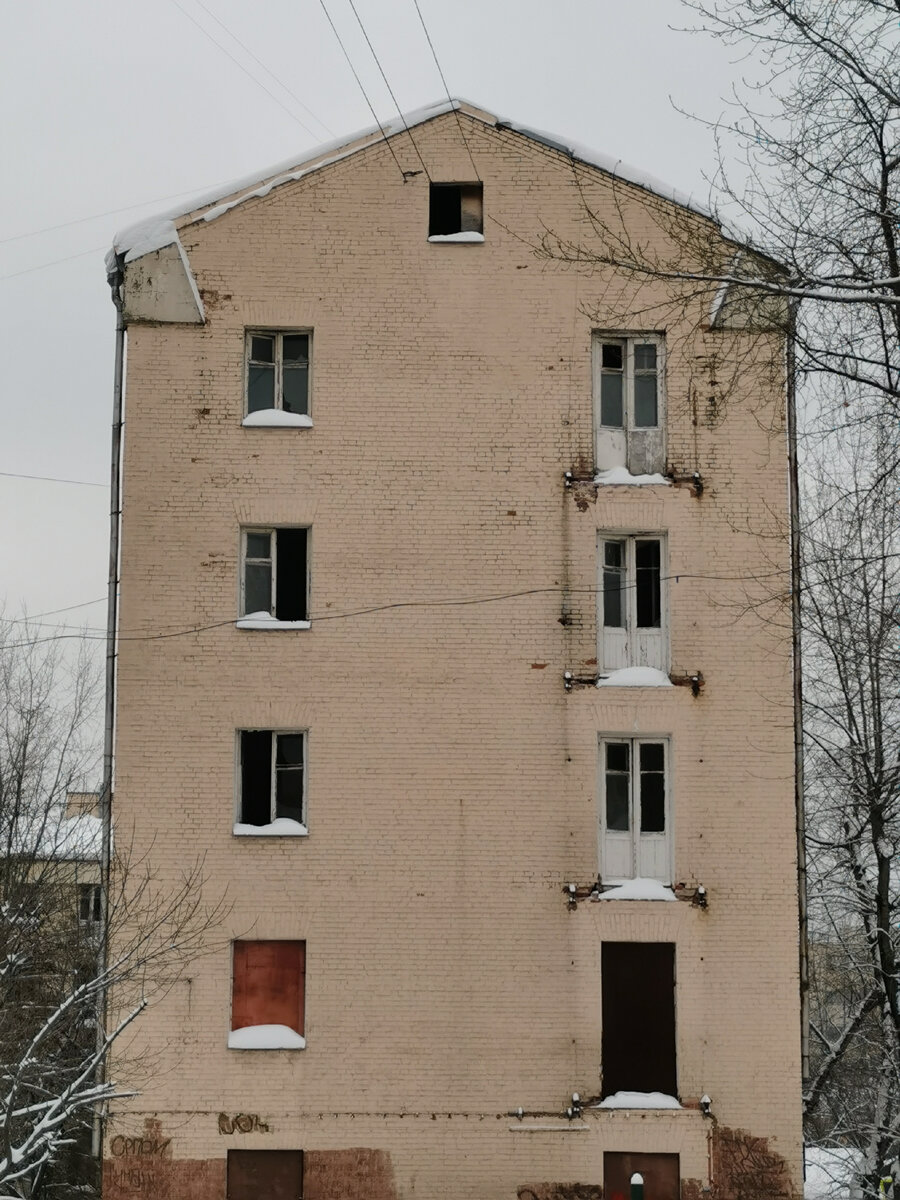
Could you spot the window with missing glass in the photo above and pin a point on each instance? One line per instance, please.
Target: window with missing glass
(275, 574)
(635, 823)
(278, 369)
(272, 780)
(629, 402)
(632, 597)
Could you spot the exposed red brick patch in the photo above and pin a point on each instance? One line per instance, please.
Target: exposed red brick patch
(140, 1178)
(357, 1174)
(744, 1168)
(560, 1191)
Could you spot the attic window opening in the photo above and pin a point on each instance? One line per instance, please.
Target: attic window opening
(456, 209)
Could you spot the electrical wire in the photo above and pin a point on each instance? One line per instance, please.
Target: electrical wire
(51, 612)
(54, 262)
(389, 88)
(52, 479)
(446, 89)
(363, 90)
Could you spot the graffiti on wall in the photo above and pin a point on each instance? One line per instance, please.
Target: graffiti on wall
(560, 1191)
(243, 1123)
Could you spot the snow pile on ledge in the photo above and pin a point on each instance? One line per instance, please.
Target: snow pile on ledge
(639, 1100)
(276, 418)
(265, 620)
(265, 1037)
(280, 827)
(635, 677)
(466, 235)
(638, 889)
(829, 1173)
(616, 475)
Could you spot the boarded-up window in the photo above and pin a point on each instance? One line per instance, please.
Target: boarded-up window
(269, 984)
(265, 1175)
(659, 1172)
(638, 996)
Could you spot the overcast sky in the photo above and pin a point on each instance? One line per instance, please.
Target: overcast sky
(113, 110)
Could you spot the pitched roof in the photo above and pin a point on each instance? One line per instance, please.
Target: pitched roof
(162, 230)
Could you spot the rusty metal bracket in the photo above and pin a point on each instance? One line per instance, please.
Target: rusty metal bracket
(690, 479)
(571, 680)
(694, 681)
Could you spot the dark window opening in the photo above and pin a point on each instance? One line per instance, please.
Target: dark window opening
(613, 584)
(455, 208)
(268, 794)
(618, 786)
(660, 1174)
(268, 984)
(89, 903)
(653, 787)
(272, 1174)
(647, 580)
(638, 1004)
(275, 573)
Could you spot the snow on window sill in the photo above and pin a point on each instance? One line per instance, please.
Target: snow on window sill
(638, 1100)
(264, 620)
(266, 1037)
(462, 236)
(635, 677)
(280, 827)
(276, 418)
(621, 475)
(638, 889)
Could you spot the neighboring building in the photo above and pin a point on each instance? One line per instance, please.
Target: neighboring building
(401, 667)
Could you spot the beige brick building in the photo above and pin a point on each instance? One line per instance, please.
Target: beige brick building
(431, 705)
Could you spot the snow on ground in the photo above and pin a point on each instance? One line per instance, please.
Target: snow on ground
(265, 1037)
(638, 889)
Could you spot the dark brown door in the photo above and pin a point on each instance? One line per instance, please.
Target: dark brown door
(268, 984)
(265, 1175)
(658, 1171)
(638, 996)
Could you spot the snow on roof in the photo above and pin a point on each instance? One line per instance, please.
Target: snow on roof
(157, 232)
(55, 837)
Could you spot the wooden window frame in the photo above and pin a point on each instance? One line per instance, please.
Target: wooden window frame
(637, 644)
(273, 797)
(634, 833)
(278, 384)
(245, 559)
(606, 449)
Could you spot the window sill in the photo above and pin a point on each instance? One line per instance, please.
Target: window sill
(637, 889)
(264, 620)
(276, 418)
(463, 237)
(280, 827)
(635, 677)
(645, 1100)
(266, 1037)
(621, 475)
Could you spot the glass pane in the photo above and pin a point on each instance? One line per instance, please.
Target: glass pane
(257, 588)
(644, 401)
(295, 348)
(653, 803)
(289, 750)
(612, 599)
(652, 756)
(611, 356)
(258, 545)
(262, 349)
(260, 388)
(289, 792)
(294, 383)
(647, 584)
(645, 356)
(611, 400)
(612, 553)
(617, 803)
(616, 756)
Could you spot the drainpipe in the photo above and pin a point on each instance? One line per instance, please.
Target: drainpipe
(796, 576)
(116, 278)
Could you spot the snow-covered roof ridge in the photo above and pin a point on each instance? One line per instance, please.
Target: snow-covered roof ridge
(157, 232)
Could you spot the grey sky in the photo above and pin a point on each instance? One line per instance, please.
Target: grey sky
(118, 107)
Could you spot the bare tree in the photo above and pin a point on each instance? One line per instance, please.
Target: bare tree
(56, 970)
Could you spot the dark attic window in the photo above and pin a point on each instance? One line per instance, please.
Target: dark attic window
(455, 208)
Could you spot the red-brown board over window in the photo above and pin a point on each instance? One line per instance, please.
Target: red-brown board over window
(265, 1175)
(638, 999)
(658, 1171)
(269, 984)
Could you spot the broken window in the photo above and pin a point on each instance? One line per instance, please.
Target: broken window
(660, 1175)
(268, 991)
(275, 572)
(272, 776)
(638, 1000)
(634, 819)
(90, 907)
(628, 403)
(455, 208)
(273, 1174)
(632, 596)
(278, 372)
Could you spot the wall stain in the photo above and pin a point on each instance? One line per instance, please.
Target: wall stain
(744, 1168)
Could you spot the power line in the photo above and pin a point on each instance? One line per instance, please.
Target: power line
(54, 262)
(52, 478)
(446, 89)
(389, 88)
(247, 72)
(51, 613)
(362, 89)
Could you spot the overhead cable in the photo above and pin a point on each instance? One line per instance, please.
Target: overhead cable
(446, 89)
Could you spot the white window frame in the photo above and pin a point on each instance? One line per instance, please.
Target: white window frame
(302, 826)
(619, 445)
(273, 622)
(645, 850)
(631, 645)
(279, 335)
(95, 903)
